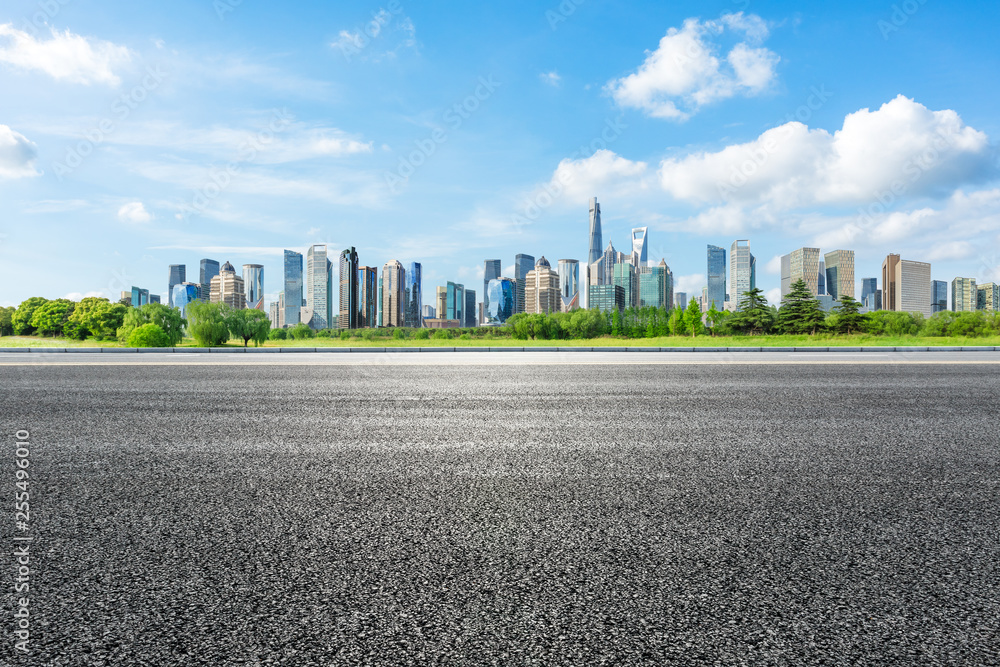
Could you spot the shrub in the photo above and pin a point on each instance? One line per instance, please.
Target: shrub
(278, 334)
(301, 331)
(422, 334)
(148, 335)
(441, 334)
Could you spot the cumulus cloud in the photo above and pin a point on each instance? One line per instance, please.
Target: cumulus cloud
(690, 284)
(687, 70)
(550, 78)
(604, 171)
(18, 155)
(64, 57)
(135, 213)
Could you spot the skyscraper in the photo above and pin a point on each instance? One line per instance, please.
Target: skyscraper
(441, 302)
(501, 300)
(227, 288)
(716, 277)
(569, 284)
(183, 294)
(625, 276)
(208, 270)
(595, 232)
(681, 300)
(368, 297)
(318, 292)
(988, 297)
(964, 294)
(869, 288)
(906, 285)
(668, 295)
(455, 303)
(253, 283)
(522, 265)
(541, 294)
(821, 280)
(393, 287)
(839, 273)
(293, 288)
(347, 317)
(640, 247)
(471, 311)
(607, 298)
(939, 296)
(801, 264)
(605, 268)
(742, 272)
(492, 272)
(178, 274)
(653, 288)
(413, 306)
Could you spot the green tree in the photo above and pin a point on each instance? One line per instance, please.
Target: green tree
(148, 335)
(692, 318)
(50, 317)
(249, 324)
(616, 322)
(168, 319)
(207, 323)
(850, 319)
(6, 321)
(754, 316)
(714, 317)
(301, 331)
(677, 325)
(277, 334)
(21, 319)
(894, 323)
(800, 311)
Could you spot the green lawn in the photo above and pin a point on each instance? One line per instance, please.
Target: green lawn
(606, 341)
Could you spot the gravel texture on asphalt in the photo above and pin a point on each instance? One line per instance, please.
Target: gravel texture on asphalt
(558, 515)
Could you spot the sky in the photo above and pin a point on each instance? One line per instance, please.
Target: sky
(134, 135)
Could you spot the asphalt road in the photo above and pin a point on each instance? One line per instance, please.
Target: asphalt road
(548, 515)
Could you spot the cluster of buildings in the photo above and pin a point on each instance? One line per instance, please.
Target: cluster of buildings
(369, 297)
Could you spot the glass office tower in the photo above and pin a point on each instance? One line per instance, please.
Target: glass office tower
(413, 305)
(347, 317)
(939, 295)
(492, 272)
(522, 265)
(502, 296)
(716, 277)
(253, 283)
(595, 242)
(293, 288)
(569, 283)
(178, 275)
(208, 270)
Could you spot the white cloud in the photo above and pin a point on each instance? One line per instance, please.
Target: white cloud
(951, 251)
(274, 251)
(134, 212)
(64, 57)
(550, 78)
(604, 172)
(774, 266)
(773, 296)
(691, 284)
(354, 43)
(77, 296)
(686, 73)
(18, 155)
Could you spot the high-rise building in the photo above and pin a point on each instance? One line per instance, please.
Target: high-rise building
(569, 284)
(281, 309)
(430, 313)
(154, 298)
(501, 300)
(253, 283)
(178, 274)
(869, 286)
(492, 271)
(272, 315)
(906, 285)
(522, 265)
(368, 297)
(821, 280)
(378, 300)
(607, 298)
(347, 313)
(441, 303)
(964, 294)
(988, 297)
(413, 298)
(596, 243)
(227, 288)
(393, 288)
(653, 286)
(716, 277)
(139, 297)
(839, 273)
(604, 271)
(183, 294)
(681, 300)
(742, 272)
(625, 276)
(293, 288)
(541, 292)
(319, 295)
(455, 306)
(471, 310)
(801, 264)
(939, 296)
(640, 247)
(209, 268)
(668, 286)
(584, 286)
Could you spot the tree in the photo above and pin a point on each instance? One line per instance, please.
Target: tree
(50, 317)
(753, 316)
(148, 335)
(676, 324)
(249, 324)
(277, 334)
(21, 319)
(800, 311)
(692, 318)
(207, 323)
(849, 317)
(714, 317)
(6, 321)
(301, 331)
(168, 319)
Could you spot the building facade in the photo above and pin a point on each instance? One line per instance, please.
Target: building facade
(471, 309)
(607, 298)
(939, 296)
(455, 303)
(293, 288)
(626, 277)
(183, 294)
(413, 302)
(906, 285)
(319, 292)
(208, 269)
(801, 264)
(541, 290)
(178, 275)
(393, 289)
(368, 297)
(964, 295)
(228, 288)
(595, 242)
(347, 312)
(653, 288)
(839, 273)
(491, 271)
(640, 247)
(988, 297)
(569, 284)
(716, 277)
(522, 265)
(139, 297)
(501, 300)
(742, 272)
(253, 283)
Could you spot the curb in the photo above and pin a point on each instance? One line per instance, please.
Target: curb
(347, 350)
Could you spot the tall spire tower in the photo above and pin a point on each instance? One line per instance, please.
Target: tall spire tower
(596, 245)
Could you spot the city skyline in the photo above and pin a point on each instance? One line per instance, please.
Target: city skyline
(425, 143)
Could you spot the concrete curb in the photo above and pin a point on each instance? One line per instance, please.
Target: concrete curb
(345, 350)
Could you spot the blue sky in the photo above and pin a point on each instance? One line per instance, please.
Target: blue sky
(137, 135)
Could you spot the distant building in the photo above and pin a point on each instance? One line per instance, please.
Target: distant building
(607, 298)
(227, 288)
(541, 289)
(393, 288)
(253, 283)
(964, 295)
(939, 296)
(347, 314)
(412, 297)
(501, 300)
(492, 271)
(522, 265)
(154, 298)
(821, 279)
(455, 304)
(681, 300)
(471, 310)
(440, 303)
(716, 277)
(438, 323)
(209, 268)
(869, 288)
(595, 241)
(988, 297)
(183, 294)
(801, 264)
(569, 284)
(178, 274)
(653, 286)
(368, 297)
(906, 285)
(319, 290)
(139, 297)
(625, 277)
(605, 270)
(742, 272)
(429, 312)
(640, 247)
(839, 273)
(293, 288)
